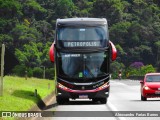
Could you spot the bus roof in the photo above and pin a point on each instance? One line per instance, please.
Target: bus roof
(81, 21)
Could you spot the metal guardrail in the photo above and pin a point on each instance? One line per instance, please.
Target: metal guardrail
(136, 77)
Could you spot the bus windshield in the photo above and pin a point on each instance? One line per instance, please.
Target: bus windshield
(90, 65)
(95, 36)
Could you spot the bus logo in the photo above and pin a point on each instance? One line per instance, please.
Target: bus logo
(6, 114)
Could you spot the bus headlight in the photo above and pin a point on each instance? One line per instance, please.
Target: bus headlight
(62, 86)
(103, 86)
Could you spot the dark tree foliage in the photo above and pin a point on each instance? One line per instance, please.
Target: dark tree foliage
(27, 27)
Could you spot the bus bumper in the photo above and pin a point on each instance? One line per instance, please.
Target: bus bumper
(83, 94)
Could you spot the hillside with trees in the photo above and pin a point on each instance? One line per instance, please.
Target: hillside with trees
(27, 29)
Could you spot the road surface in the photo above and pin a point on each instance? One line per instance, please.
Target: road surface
(124, 97)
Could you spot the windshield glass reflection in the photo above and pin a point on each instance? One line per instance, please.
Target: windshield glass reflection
(82, 65)
(153, 78)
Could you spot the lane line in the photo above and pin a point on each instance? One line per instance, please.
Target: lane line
(113, 108)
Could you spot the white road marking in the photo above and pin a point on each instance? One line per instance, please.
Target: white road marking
(113, 108)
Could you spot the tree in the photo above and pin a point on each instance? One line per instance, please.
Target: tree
(119, 31)
(115, 68)
(30, 55)
(157, 45)
(32, 9)
(23, 34)
(83, 8)
(140, 71)
(147, 69)
(10, 9)
(6, 39)
(47, 33)
(134, 27)
(64, 8)
(34, 54)
(113, 10)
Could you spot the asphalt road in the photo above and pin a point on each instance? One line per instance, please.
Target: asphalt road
(124, 97)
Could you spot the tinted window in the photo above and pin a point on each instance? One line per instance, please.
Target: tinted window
(153, 78)
(85, 34)
(82, 65)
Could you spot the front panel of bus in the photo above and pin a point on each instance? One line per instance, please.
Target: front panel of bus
(82, 61)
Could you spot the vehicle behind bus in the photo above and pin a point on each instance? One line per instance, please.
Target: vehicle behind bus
(82, 53)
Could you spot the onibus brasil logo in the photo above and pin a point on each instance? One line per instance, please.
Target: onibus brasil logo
(21, 114)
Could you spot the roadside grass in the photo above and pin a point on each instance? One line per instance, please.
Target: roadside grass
(18, 93)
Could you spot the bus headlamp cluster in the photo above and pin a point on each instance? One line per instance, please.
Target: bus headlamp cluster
(62, 86)
(99, 88)
(103, 86)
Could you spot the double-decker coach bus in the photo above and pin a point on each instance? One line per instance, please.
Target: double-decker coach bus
(82, 54)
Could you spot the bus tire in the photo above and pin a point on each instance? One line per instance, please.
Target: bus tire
(61, 100)
(103, 100)
(95, 99)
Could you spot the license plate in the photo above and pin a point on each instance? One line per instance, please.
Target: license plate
(83, 96)
(157, 92)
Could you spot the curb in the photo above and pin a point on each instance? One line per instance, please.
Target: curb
(42, 104)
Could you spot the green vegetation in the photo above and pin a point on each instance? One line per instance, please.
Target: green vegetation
(135, 69)
(27, 28)
(18, 94)
(140, 71)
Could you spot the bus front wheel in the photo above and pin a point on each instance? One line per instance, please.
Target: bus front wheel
(61, 100)
(102, 100)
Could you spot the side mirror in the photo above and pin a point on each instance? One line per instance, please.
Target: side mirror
(141, 81)
(51, 53)
(114, 51)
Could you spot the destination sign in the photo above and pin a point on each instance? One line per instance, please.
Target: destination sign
(82, 44)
